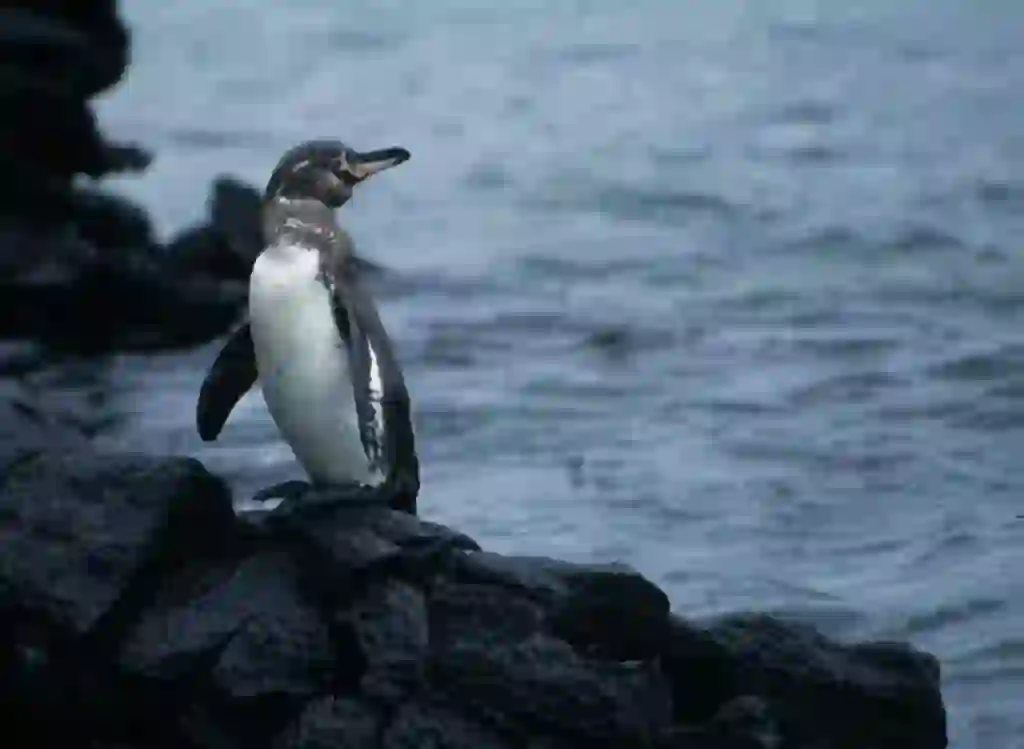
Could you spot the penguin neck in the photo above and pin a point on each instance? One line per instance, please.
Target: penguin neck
(301, 222)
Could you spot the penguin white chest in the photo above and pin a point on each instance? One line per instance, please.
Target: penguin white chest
(303, 365)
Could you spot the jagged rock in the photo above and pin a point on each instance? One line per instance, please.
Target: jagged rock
(543, 681)
(249, 625)
(334, 723)
(878, 694)
(390, 625)
(203, 251)
(227, 245)
(746, 720)
(236, 212)
(744, 723)
(79, 270)
(701, 672)
(27, 428)
(48, 136)
(354, 541)
(83, 539)
(190, 627)
(490, 615)
(62, 290)
(433, 725)
(609, 609)
(76, 528)
(99, 284)
(86, 42)
(112, 224)
(51, 48)
(55, 56)
(124, 157)
(501, 658)
(18, 359)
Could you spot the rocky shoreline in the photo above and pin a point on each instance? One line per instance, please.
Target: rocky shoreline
(138, 609)
(80, 269)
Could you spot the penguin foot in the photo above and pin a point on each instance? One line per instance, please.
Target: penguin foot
(286, 490)
(303, 499)
(304, 503)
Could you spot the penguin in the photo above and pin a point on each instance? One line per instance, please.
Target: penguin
(330, 377)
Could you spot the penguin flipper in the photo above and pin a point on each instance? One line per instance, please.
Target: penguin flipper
(382, 407)
(232, 375)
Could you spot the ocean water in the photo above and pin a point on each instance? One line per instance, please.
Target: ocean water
(731, 291)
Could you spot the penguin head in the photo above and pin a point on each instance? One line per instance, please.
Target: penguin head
(326, 171)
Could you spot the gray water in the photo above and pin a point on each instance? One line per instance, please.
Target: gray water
(733, 292)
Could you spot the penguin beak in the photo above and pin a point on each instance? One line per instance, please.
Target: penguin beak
(367, 163)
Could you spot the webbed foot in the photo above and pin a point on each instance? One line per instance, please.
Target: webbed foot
(290, 490)
(308, 503)
(303, 499)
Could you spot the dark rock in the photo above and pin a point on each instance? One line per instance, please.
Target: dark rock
(83, 541)
(138, 610)
(266, 639)
(176, 639)
(55, 49)
(878, 694)
(226, 246)
(747, 720)
(236, 213)
(77, 528)
(743, 723)
(701, 671)
(48, 137)
(79, 270)
(20, 358)
(203, 251)
(199, 725)
(283, 647)
(111, 223)
(35, 259)
(97, 22)
(537, 577)
(124, 157)
(334, 723)
(68, 397)
(501, 659)
(433, 725)
(350, 542)
(28, 429)
(62, 290)
(56, 693)
(390, 625)
(151, 311)
(491, 615)
(544, 681)
(607, 609)
(345, 550)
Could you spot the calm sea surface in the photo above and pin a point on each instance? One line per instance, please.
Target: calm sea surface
(731, 291)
